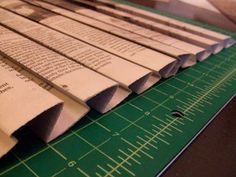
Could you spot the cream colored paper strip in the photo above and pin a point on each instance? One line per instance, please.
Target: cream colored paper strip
(200, 41)
(6, 143)
(125, 29)
(227, 41)
(72, 110)
(130, 51)
(70, 77)
(200, 53)
(23, 102)
(186, 57)
(133, 76)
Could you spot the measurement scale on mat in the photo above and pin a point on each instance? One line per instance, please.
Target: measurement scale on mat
(140, 137)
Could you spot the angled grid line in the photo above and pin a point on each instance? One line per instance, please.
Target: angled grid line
(133, 159)
(141, 128)
(166, 123)
(186, 104)
(141, 147)
(59, 172)
(112, 168)
(130, 122)
(57, 152)
(27, 166)
(154, 101)
(99, 124)
(166, 132)
(89, 152)
(150, 144)
(82, 171)
(131, 104)
(163, 93)
(202, 73)
(217, 84)
(103, 153)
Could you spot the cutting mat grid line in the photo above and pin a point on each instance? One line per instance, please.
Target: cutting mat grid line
(137, 138)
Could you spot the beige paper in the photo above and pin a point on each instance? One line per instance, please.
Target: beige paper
(72, 110)
(133, 76)
(153, 60)
(6, 143)
(200, 53)
(200, 41)
(186, 58)
(128, 50)
(71, 78)
(227, 41)
(21, 102)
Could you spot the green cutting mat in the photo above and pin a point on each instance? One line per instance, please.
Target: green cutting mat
(140, 137)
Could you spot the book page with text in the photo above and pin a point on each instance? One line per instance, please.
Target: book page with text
(70, 77)
(134, 77)
(200, 41)
(225, 39)
(129, 31)
(23, 102)
(72, 110)
(130, 51)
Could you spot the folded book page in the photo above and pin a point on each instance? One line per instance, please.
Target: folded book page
(225, 40)
(186, 58)
(70, 77)
(23, 102)
(133, 76)
(130, 51)
(200, 41)
(199, 52)
(72, 110)
(6, 143)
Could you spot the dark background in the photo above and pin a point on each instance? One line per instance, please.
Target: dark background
(213, 152)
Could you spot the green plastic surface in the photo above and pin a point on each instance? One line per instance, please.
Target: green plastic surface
(138, 138)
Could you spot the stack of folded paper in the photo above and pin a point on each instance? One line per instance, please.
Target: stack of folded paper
(59, 59)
